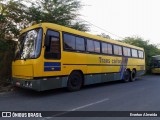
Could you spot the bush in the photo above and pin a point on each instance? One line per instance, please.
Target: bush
(7, 49)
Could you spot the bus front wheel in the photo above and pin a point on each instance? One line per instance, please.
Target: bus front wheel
(74, 81)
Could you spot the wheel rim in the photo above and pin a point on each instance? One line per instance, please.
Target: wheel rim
(74, 81)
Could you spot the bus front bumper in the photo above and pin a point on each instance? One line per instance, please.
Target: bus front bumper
(40, 84)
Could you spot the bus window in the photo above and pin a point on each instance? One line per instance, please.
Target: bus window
(117, 50)
(140, 54)
(90, 46)
(69, 42)
(97, 46)
(80, 45)
(104, 48)
(134, 53)
(120, 50)
(52, 45)
(109, 49)
(126, 51)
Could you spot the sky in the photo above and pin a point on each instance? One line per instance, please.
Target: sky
(123, 18)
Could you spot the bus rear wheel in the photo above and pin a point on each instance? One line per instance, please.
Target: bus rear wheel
(133, 76)
(126, 76)
(74, 81)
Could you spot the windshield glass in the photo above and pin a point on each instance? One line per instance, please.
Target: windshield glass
(156, 63)
(29, 44)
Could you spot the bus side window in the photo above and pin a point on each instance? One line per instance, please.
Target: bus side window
(52, 44)
(140, 54)
(96, 46)
(134, 53)
(126, 51)
(117, 50)
(90, 45)
(69, 42)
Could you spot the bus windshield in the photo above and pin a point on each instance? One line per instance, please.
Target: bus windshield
(29, 44)
(156, 63)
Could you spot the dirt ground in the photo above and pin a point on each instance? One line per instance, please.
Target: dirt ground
(6, 87)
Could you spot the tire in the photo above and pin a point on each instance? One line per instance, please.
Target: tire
(127, 76)
(133, 76)
(75, 80)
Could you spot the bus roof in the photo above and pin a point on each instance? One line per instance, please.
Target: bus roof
(156, 56)
(80, 33)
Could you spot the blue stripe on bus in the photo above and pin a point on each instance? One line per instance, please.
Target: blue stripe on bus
(52, 64)
(52, 68)
(123, 66)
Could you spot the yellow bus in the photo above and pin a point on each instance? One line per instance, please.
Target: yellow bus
(155, 64)
(51, 56)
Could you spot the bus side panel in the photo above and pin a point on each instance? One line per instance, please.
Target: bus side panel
(100, 78)
(102, 68)
(73, 61)
(137, 64)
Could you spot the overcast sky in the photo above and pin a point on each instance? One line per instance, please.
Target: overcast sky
(124, 18)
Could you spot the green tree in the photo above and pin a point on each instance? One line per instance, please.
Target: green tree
(150, 49)
(104, 36)
(11, 18)
(63, 12)
(19, 14)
